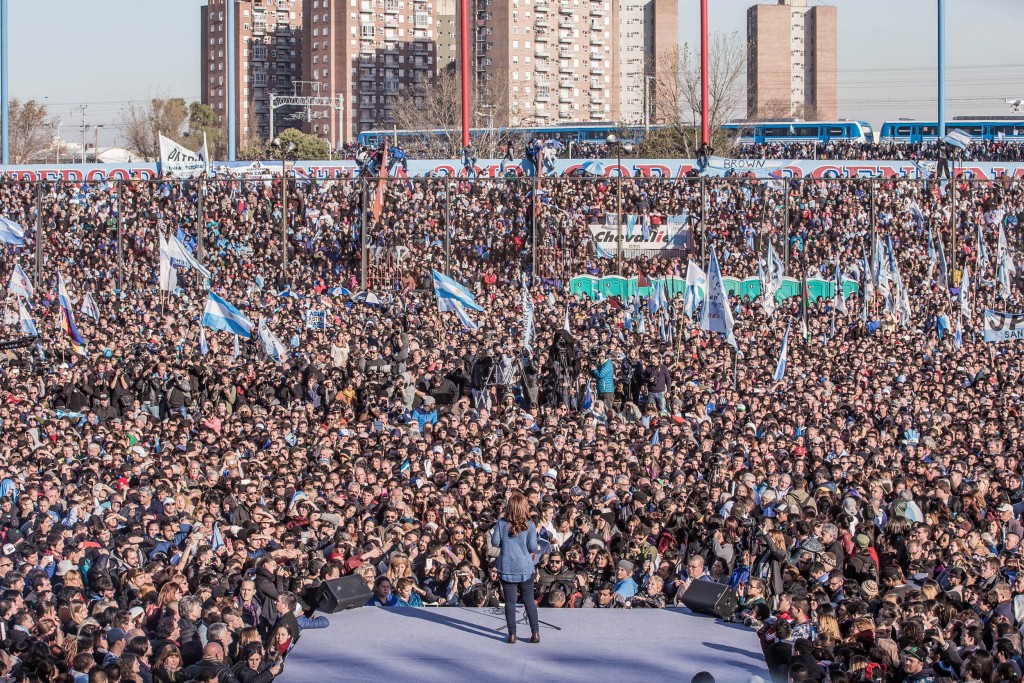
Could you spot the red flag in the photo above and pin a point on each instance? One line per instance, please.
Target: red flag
(641, 280)
(616, 304)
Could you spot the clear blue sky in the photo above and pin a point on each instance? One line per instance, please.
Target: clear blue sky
(105, 53)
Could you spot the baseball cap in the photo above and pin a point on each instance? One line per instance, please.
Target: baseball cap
(1005, 507)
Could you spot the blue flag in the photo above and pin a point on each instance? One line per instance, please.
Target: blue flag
(780, 367)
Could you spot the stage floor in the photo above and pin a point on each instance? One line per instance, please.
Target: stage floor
(451, 644)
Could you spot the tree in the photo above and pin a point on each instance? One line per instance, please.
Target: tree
(436, 105)
(307, 146)
(677, 92)
(31, 130)
(202, 120)
(143, 125)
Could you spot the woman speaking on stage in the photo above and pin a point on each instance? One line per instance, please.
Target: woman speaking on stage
(516, 538)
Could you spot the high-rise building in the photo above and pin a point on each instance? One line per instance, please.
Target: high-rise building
(268, 59)
(791, 64)
(568, 61)
(368, 51)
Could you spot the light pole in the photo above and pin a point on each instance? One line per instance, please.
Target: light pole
(284, 150)
(58, 142)
(613, 141)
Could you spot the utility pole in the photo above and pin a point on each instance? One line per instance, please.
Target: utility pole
(96, 144)
(81, 110)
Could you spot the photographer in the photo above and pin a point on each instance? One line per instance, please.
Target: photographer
(178, 394)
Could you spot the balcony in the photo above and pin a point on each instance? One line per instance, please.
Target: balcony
(597, 39)
(541, 66)
(542, 54)
(543, 97)
(596, 99)
(596, 10)
(597, 115)
(564, 114)
(542, 22)
(540, 38)
(565, 97)
(566, 24)
(542, 8)
(565, 53)
(259, 28)
(565, 38)
(597, 68)
(565, 68)
(565, 8)
(367, 76)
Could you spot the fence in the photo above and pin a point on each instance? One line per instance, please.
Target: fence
(307, 233)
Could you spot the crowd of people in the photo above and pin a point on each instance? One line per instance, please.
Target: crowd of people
(169, 505)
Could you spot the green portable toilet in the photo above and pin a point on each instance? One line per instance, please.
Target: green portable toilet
(586, 285)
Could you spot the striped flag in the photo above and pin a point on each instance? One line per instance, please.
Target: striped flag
(220, 315)
(90, 308)
(67, 319)
(780, 367)
(529, 325)
(204, 348)
(20, 283)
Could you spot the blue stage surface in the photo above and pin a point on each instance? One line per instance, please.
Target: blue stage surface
(450, 644)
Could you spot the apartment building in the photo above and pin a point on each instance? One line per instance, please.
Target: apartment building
(368, 51)
(268, 59)
(792, 64)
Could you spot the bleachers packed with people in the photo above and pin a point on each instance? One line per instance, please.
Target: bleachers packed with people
(172, 493)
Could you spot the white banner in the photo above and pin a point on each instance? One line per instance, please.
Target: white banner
(1003, 326)
(668, 235)
(180, 162)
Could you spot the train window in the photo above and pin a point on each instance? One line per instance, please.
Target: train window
(930, 130)
(772, 132)
(971, 130)
(805, 131)
(902, 130)
(1014, 131)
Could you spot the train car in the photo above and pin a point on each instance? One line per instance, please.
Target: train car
(578, 134)
(763, 132)
(987, 129)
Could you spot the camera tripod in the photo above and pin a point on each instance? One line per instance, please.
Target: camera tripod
(524, 619)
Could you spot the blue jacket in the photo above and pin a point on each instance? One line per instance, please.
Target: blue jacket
(605, 374)
(515, 563)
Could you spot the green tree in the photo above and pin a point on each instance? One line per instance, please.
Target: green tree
(202, 120)
(308, 147)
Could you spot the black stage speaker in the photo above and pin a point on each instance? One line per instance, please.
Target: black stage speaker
(709, 597)
(342, 593)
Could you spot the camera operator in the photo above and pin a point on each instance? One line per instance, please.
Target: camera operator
(604, 373)
(178, 394)
(149, 388)
(479, 372)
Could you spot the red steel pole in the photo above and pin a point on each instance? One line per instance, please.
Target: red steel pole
(464, 27)
(705, 135)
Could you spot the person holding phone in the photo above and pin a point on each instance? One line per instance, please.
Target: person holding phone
(516, 538)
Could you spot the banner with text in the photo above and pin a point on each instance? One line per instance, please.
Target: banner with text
(1001, 326)
(178, 162)
(492, 168)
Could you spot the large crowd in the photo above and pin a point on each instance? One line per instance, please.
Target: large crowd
(169, 505)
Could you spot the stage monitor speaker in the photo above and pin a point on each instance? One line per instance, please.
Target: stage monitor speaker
(708, 597)
(343, 593)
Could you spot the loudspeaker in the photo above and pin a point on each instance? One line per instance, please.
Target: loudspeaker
(342, 594)
(712, 598)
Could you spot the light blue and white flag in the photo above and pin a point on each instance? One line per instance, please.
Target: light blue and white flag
(696, 286)
(11, 232)
(982, 252)
(271, 344)
(943, 268)
(958, 337)
(602, 252)
(529, 324)
(965, 292)
(90, 308)
(217, 540)
(220, 315)
(656, 301)
(20, 283)
(1004, 264)
(448, 290)
(204, 348)
(716, 316)
(780, 367)
(460, 310)
(933, 255)
(235, 351)
(28, 325)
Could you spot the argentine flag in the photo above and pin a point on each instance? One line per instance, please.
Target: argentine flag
(11, 232)
(204, 348)
(449, 292)
(220, 315)
(271, 344)
(28, 325)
